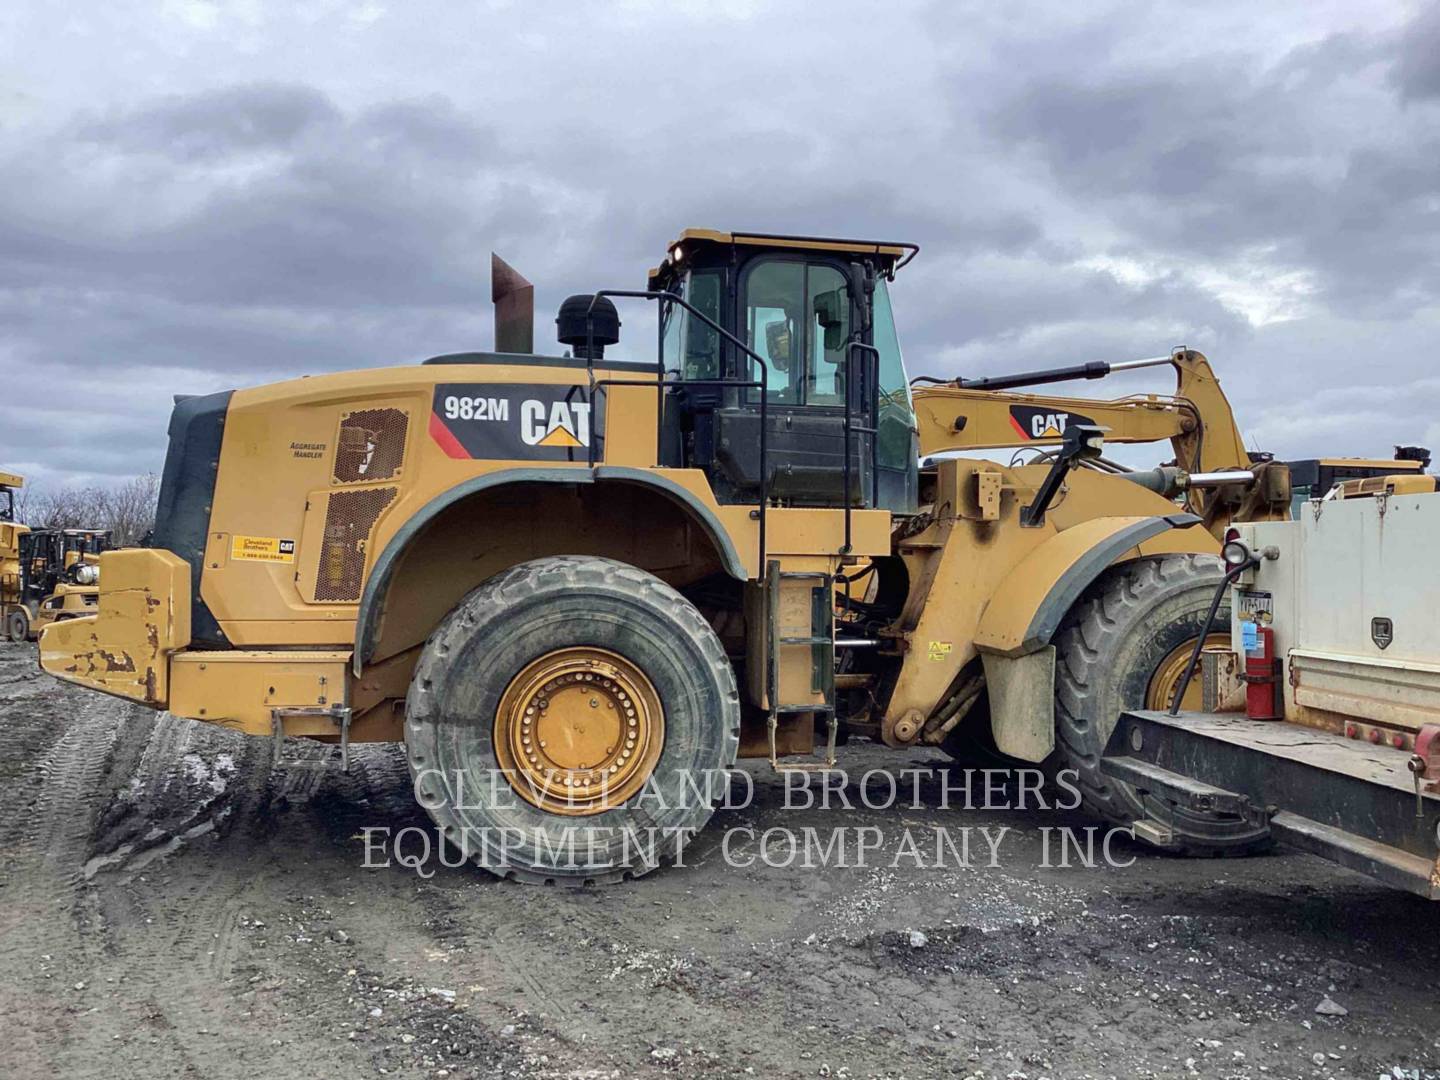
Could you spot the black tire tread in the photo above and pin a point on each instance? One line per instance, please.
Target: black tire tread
(527, 580)
(1097, 619)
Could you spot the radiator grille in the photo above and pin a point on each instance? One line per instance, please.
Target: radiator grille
(371, 445)
(349, 520)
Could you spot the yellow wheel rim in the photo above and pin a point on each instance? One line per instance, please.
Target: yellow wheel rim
(579, 731)
(1167, 676)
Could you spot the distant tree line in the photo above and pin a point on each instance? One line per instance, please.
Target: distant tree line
(126, 508)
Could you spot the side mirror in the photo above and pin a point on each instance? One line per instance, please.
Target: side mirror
(864, 277)
(830, 311)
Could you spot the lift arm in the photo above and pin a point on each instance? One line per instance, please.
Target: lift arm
(983, 414)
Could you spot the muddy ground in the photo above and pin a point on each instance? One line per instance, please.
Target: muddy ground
(173, 906)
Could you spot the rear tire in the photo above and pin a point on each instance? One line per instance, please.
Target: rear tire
(484, 654)
(1108, 650)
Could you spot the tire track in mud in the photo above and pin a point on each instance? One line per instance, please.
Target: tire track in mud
(132, 819)
(53, 828)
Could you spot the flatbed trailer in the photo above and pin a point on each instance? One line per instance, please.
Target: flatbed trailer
(1346, 800)
(1335, 654)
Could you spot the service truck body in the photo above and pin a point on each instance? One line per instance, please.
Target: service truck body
(1350, 597)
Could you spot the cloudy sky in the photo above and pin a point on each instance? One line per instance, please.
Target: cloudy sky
(200, 194)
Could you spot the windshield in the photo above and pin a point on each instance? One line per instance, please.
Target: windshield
(897, 416)
(690, 347)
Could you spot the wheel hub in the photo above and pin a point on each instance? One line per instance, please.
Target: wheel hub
(578, 731)
(1170, 671)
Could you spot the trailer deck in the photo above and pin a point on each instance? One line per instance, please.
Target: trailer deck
(1345, 799)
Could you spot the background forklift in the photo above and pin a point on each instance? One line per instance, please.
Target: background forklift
(46, 575)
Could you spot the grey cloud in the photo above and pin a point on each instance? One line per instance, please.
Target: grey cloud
(341, 212)
(1417, 61)
(216, 123)
(1302, 159)
(250, 208)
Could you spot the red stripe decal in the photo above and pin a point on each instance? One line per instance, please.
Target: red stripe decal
(1020, 430)
(447, 442)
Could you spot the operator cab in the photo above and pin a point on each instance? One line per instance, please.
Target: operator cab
(78, 543)
(8, 483)
(816, 312)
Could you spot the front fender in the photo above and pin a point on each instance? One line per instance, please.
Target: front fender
(1032, 599)
(1014, 633)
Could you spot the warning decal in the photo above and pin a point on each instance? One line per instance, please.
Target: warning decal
(262, 549)
(516, 421)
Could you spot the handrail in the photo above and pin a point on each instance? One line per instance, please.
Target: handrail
(661, 383)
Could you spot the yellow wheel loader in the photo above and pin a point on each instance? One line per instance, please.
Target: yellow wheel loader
(578, 586)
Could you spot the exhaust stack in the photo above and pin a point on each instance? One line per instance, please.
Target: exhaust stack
(514, 300)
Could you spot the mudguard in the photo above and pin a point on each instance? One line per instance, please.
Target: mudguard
(368, 616)
(1014, 633)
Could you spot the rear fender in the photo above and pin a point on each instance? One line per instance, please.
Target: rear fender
(377, 584)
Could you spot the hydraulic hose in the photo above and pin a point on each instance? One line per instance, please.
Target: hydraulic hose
(1225, 583)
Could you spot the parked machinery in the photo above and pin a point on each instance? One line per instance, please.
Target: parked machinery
(1322, 711)
(594, 578)
(46, 575)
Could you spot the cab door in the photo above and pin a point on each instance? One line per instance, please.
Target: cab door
(799, 315)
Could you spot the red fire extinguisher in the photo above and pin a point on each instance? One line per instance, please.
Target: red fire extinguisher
(1263, 690)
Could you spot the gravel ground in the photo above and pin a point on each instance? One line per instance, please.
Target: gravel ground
(171, 905)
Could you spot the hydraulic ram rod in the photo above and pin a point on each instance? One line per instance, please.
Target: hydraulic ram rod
(1095, 369)
(1220, 479)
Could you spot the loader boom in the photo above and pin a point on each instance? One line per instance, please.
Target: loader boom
(985, 414)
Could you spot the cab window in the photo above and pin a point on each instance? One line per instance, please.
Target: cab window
(797, 318)
(897, 415)
(691, 347)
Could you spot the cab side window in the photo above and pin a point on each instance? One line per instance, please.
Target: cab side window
(797, 318)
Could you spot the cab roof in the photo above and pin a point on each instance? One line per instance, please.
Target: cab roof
(11, 480)
(891, 255)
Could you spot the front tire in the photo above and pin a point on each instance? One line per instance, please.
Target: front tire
(17, 624)
(632, 688)
(1115, 651)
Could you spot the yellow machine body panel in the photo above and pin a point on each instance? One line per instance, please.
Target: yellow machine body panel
(980, 581)
(251, 691)
(143, 618)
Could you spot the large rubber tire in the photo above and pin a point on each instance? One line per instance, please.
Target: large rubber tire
(519, 616)
(1107, 650)
(17, 624)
